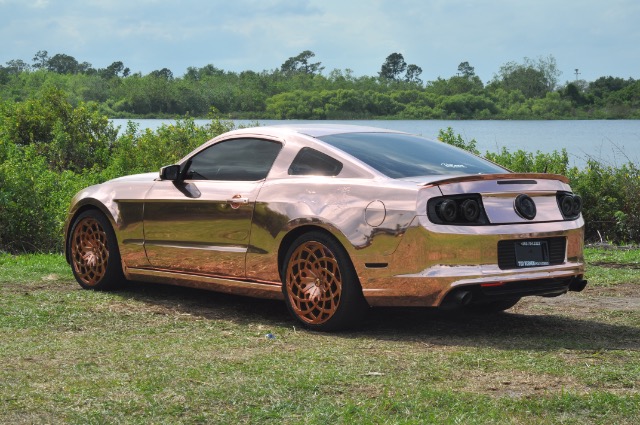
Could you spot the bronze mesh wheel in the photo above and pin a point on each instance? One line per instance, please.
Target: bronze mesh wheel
(89, 251)
(314, 282)
(93, 252)
(320, 286)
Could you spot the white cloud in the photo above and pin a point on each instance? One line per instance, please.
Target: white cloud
(599, 38)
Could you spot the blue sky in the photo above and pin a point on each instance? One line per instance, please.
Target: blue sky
(600, 38)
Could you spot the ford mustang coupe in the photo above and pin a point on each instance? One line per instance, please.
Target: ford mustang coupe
(333, 219)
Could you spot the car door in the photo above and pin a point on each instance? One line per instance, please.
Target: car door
(201, 223)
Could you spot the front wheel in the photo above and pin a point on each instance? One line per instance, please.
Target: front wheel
(94, 254)
(320, 285)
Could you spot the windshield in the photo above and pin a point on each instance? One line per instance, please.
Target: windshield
(404, 155)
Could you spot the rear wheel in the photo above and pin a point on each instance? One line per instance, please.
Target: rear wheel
(94, 253)
(320, 285)
(492, 307)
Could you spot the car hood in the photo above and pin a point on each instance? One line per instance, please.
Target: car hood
(145, 177)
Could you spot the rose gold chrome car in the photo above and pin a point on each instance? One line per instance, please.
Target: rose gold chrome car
(333, 219)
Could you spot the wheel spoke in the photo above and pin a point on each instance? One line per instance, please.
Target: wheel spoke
(314, 284)
(89, 251)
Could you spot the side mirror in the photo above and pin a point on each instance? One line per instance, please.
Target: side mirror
(170, 172)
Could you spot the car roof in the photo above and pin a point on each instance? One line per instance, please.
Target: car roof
(313, 130)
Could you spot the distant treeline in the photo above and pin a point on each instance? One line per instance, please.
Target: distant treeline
(300, 89)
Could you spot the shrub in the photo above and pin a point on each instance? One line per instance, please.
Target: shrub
(449, 137)
(610, 199)
(35, 189)
(34, 201)
(67, 138)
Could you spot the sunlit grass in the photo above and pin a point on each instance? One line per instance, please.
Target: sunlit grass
(33, 267)
(161, 354)
(612, 266)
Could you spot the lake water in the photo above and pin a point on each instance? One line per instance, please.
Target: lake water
(614, 142)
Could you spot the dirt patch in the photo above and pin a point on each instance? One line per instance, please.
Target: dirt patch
(625, 297)
(515, 383)
(47, 283)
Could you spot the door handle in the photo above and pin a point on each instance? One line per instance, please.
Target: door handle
(237, 200)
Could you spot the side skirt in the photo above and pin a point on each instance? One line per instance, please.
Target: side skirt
(250, 288)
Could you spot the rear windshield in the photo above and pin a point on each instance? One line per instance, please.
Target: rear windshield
(403, 155)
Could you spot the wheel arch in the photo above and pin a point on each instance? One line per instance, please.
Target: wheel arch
(296, 232)
(74, 215)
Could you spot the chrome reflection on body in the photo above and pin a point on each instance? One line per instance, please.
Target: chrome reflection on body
(250, 288)
(208, 234)
(422, 273)
(190, 245)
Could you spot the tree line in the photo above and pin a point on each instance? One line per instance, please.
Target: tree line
(301, 89)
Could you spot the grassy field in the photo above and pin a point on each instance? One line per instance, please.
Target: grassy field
(161, 354)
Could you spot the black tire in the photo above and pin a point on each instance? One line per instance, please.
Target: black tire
(320, 285)
(94, 254)
(492, 307)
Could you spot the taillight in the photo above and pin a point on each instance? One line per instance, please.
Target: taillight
(458, 209)
(570, 205)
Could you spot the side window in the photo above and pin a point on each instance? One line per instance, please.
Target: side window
(310, 162)
(234, 160)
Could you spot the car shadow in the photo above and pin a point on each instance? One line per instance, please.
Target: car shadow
(433, 327)
(167, 299)
(507, 330)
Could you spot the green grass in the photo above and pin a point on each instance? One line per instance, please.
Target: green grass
(161, 354)
(612, 266)
(33, 268)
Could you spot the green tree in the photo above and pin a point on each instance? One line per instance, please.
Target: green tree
(115, 70)
(604, 87)
(466, 70)
(533, 78)
(67, 138)
(455, 85)
(164, 73)
(528, 80)
(549, 68)
(301, 64)
(63, 64)
(393, 66)
(413, 74)
(574, 94)
(17, 66)
(41, 60)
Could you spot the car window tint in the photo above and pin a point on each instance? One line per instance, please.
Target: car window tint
(404, 155)
(234, 160)
(310, 162)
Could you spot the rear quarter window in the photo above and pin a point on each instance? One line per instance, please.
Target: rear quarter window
(310, 162)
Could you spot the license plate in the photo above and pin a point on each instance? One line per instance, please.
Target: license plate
(532, 253)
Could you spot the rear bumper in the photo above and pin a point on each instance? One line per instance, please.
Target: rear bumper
(430, 268)
(438, 284)
(485, 293)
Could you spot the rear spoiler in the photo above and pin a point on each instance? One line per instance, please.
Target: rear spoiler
(523, 177)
